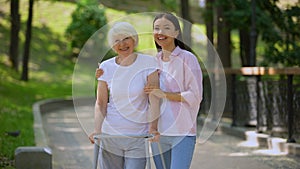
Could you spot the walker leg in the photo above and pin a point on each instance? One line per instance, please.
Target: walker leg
(161, 155)
(96, 154)
(147, 154)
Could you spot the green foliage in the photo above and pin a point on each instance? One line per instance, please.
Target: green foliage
(171, 5)
(240, 15)
(278, 28)
(280, 31)
(16, 103)
(87, 18)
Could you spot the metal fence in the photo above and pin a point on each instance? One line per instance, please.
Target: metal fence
(265, 98)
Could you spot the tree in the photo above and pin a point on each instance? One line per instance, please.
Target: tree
(24, 75)
(223, 29)
(14, 34)
(240, 19)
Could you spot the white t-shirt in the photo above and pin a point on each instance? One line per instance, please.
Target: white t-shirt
(127, 111)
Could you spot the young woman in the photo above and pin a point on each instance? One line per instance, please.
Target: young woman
(181, 90)
(122, 107)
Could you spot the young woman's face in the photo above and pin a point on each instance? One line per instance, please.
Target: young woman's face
(164, 32)
(124, 45)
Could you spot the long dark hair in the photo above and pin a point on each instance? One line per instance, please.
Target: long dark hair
(178, 40)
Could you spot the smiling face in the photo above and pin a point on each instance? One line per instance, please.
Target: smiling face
(123, 45)
(164, 33)
(123, 38)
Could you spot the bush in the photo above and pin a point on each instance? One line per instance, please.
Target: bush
(86, 19)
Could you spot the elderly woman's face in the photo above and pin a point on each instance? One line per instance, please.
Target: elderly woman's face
(124, 45)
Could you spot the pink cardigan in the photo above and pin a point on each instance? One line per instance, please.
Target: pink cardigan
(184, 75)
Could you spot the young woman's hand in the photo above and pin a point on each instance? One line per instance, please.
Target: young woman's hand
(154, 91)
(99, 73)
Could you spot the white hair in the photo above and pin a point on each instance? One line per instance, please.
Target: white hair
(122, 28)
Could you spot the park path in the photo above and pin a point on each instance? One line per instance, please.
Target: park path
(71, 148)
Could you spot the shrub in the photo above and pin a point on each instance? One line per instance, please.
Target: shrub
(86, 19)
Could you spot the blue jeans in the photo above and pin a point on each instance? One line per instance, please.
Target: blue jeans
(177, 152)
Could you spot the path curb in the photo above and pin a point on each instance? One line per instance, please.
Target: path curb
(41, 107)
(275, 144)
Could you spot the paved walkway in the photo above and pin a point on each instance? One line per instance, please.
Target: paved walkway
(71, 148)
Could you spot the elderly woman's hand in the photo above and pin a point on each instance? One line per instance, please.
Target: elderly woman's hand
(91, 137)
(156, 135)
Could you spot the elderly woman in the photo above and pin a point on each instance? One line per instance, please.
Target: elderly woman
(122, 107)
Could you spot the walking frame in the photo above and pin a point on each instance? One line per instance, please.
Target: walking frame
(101, 136)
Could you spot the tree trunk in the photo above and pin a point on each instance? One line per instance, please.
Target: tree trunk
(14, 34)
(209, 23)
(24, 76)
(209, 20)
(224, 42)
(186, 25)
(224, 46)
(245, 47)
